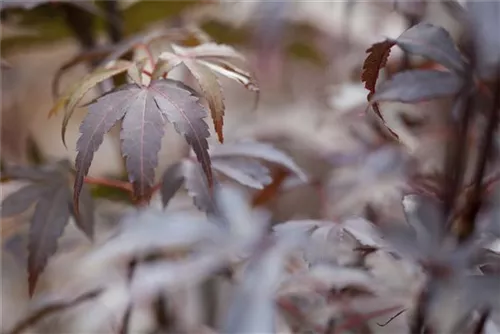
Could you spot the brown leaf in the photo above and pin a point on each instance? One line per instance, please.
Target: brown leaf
(377, 57)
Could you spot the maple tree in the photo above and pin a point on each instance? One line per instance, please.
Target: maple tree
(433, 230)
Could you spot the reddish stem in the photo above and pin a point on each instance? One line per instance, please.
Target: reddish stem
(355, 321)
(109, 183)
(149, 54)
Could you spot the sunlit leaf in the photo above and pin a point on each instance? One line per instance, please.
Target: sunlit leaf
(69, 101)
(201, 61)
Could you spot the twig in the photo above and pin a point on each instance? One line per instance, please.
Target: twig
(109, 183)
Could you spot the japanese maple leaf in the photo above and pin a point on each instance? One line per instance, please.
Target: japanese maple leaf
(203, 61)
(50, 189)
(144, 110)
(242, 162)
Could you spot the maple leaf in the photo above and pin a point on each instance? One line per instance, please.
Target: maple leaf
(69, 101)
(377, 57)
(203, 61)
(240, 162)
(144, 110)
(51, 191)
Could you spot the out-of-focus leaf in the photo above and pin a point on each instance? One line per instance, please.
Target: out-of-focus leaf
(201, 60)
(417, 86)
(253, 307)
(248, 172)
(49, 220)
(172, 180)
(51, 308)
(244, 222)
(484, 16)
(197, 186)
(78, 59)
(432, 42)
(30, 4)
(21, 200)
(148, 230)
(151, 279)
(425, 216)
(51, 192)
(256, 150)
(414, 8)
(69, 101)
(144, 110)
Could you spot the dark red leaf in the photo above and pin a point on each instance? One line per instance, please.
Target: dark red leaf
(377, 57)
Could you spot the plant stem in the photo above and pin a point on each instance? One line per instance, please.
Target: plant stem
(485, 152)
(109, 183)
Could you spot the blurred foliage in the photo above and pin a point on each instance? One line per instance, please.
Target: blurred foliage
(48, 21)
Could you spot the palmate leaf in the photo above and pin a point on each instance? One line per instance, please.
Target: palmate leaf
(144, 110)
(51, 192)
(240, 161)
(202, 62)
(69, 101)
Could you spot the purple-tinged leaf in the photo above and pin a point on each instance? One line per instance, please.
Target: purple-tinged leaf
(149, 230)
(417, 86)
(248, 172)
(183, 110)
(485, 19)
(245, 224)
(197, 186)
(426, 217)
(85, 218)
(151, 279)
(47, 225)
(142, 131)
(172, 180)
(432, 42)
(18, 202)
(102, 115)
(253, 307)
(256, 150)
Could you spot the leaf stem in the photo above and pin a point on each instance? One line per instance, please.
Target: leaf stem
(109, 183)
(149, 54)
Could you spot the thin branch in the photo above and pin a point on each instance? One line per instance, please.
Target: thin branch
(109, 183)
(51, 309)
(486, 149)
